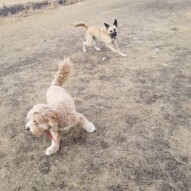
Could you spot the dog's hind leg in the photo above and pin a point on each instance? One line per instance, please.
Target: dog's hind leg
(85, 124)
(116, 45)
(87, 43)
(94, 44)
(84, 46)
(97, 48)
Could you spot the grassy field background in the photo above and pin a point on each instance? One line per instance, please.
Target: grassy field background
(140, 105)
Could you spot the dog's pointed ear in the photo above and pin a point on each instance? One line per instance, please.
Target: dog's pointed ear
(115, 22)
(106, 25)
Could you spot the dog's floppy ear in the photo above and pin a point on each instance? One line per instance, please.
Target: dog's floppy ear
(106, 25)
(115, 22)
(49, 115)
(53, 119)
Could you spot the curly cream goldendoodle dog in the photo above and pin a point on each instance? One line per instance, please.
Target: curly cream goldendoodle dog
(59, 112)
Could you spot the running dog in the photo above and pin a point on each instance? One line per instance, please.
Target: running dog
(106, 34)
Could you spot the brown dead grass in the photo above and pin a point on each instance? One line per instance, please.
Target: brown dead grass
(139, 104)
(22, 2)
(9, 3)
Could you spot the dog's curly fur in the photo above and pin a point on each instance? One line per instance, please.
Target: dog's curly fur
(59, 112)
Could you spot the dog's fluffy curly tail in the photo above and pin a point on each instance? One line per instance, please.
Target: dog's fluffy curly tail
(80, 24)
(65, 69)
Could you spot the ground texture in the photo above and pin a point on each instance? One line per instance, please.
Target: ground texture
(140, 105)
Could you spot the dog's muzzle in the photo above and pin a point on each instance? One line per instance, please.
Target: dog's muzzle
(113, 35)
(27, 127)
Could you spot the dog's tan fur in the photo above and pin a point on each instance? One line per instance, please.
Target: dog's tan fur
(95, 34)
(59, 112)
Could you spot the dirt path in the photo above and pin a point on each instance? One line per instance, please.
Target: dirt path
(139, 104)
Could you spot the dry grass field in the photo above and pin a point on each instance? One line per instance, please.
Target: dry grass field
(21, 2)
(140, 105)
(12, 7)
(15, 2)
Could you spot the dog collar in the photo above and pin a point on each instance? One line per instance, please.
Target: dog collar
(51, 137)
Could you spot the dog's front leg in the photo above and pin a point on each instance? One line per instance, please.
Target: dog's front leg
(56, 137)
(116, 45)
(116, 51)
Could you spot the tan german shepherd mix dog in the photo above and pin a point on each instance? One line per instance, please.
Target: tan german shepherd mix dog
(106, 34)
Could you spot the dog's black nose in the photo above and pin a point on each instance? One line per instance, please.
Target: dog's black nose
(27, 128)
(113, 35)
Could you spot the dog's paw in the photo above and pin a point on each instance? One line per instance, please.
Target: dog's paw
(124, 55)
(51, 150)
(90, 127)
(98, 49)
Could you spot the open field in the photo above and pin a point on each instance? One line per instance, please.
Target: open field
(13, 2)
(8, 3)
(11, 7)
(16, 2)
(140, 105)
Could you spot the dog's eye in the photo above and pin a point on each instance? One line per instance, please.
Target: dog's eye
(114, 30)
(35, 122)
(110, 31)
